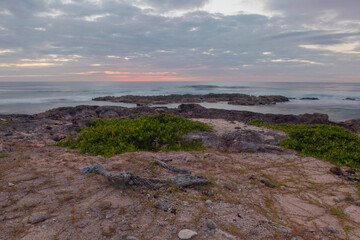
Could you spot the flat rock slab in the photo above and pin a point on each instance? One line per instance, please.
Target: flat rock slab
(187, 234)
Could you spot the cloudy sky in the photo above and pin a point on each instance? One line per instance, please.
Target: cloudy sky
(184, 40)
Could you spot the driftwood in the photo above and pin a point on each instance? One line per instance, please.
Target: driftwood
(184, 179)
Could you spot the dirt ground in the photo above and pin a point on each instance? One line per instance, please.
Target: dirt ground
(253, 195)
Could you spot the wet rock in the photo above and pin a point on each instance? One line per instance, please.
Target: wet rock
(187, 234)
(309, 98)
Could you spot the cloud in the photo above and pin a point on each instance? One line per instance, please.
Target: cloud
(295, 61)
(167, 5)
(136, 36)
(346, 48)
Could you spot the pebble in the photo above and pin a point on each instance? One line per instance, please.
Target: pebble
(186, 234)
(330, 229)
(208, 202)
(11, 184)
(131, 238)
(210, 224)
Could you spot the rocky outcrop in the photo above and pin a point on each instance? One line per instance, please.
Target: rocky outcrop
(353, 125)
(57, 123)
(234, 99)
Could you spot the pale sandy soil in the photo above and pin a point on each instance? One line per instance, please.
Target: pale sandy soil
(305, 201)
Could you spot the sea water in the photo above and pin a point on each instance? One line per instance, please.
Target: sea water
(35, 97)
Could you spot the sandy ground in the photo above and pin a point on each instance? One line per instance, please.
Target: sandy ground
(43, 195)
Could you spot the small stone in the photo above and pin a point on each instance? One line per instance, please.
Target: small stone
(208, 202)
(186, 234)
(267, 183)
(11, 184)
(330, 229)
(131, 238)
(162, 205)
(350, 171)
(337, 171)
(39, 218)
(210, 224)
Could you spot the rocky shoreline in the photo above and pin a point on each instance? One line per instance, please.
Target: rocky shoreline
(233, 99)
(259, 191)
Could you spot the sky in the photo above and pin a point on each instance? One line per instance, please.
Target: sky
(180, 40)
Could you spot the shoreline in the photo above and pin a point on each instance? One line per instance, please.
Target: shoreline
(259, 190)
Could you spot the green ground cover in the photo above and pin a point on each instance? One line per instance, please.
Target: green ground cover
(332, 143)
(161, 132)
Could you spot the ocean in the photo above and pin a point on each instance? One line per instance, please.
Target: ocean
(36, 97)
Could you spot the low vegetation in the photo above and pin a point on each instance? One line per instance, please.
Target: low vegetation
(162, 132)
(333, 143)
(2, 155)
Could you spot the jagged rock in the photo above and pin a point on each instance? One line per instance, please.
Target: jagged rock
(231, 98)
(187, 234)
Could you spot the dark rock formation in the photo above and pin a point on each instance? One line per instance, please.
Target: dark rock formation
(234, 98)
(352, 125)
(57, 123)
(309, 98)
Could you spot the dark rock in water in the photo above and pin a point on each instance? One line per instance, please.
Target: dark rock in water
(351, 99)
(337, 171)
(232, 98)
(309, 98)
(190, 107)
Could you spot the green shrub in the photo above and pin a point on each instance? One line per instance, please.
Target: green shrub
(333, 143)
(4, 123)
(108, 137)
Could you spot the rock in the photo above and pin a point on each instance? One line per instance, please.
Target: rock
(309, 98)
(162, 205)
(39, 218)
(267, 183)
(330, 229)
(221, 235)
(191, 107)
(109, 114)
(351, 171)
(187, 234)
(353, 125)
(208, 202)
(357, 203)
(210, 224)
(336, 171)
(10, 184)
(131, 238)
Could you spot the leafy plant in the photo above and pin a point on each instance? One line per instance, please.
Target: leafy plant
(4, 123)
(333, 143)
(108, 137)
